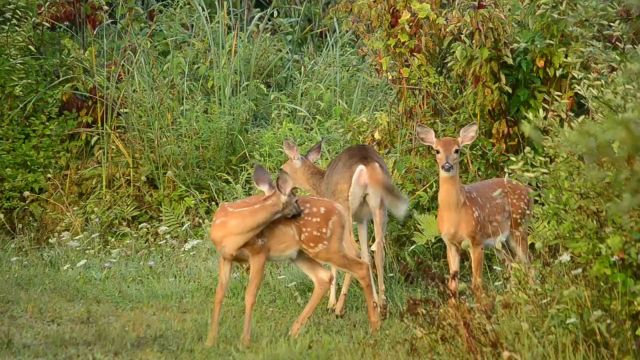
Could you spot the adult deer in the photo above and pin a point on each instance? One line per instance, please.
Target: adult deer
(358, 180)
(482, 213)
(319, 235)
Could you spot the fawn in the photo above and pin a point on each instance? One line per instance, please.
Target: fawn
(482, 213)
(358, 180)
(318, 235)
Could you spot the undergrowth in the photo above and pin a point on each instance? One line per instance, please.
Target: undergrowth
(125, 124)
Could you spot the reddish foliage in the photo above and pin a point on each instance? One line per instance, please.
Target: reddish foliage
(93, 105)
(395, 17)
(72, 13)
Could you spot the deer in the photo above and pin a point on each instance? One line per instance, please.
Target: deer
(231, 227)
(485, 213)
(317, 235)
(358, 180)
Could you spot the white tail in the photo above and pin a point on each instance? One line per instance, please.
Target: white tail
(482, 213)
(319, 235)
(357, 179)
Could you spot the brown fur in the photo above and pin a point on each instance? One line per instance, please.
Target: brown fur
(235, 223)
(320, 235)
(359, 180)
(482, 213)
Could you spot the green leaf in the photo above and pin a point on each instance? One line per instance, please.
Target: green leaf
(459, 53)
(404, 19)
(484, 53)
(615, 242)
(385, 63)
(423, 10)
(427, 228)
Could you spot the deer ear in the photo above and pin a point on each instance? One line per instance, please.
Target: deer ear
(314, 153)
(291, 150)
(468, 134)
(426, 135)
(284, 183)
(262, 180)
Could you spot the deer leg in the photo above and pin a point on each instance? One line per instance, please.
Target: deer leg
(256, 274)
(333, 290)
(477, 259)
(361, 271)
(453, 259)
(232, 245)
(321, 278)
(223, 282)
(519, 244)
(364, 253)
(357, 196)
(378, 247)
(343, 295)
(351, 248)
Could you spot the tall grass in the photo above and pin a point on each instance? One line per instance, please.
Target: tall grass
(206, 92)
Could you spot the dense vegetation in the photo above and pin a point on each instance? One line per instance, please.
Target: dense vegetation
(125, 123)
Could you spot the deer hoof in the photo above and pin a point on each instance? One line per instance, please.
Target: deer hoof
(245, 341)
(211, 341)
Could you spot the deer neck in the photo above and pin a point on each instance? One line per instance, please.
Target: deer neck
(450, 194)
(270, 212)
(257, 216)
(314, 179)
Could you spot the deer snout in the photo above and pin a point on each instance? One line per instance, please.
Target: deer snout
(447, 167)
(296, 210)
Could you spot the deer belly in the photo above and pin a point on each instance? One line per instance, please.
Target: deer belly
(283, 249)
(284, 255)
(499, 239)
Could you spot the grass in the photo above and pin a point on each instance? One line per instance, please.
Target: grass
(154, 302)
(196, 107)
(134, 310)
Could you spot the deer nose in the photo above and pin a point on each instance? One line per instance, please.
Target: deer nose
(447, 167)
(297, 211)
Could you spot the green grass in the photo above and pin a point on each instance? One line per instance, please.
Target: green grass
(52, 308)
(133, 310)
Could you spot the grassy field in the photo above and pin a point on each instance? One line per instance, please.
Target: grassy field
(156, 304)
(143, 302)
(124, 127)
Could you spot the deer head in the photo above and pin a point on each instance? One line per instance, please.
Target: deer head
(448, 148)
(281, 191)
(302, 169)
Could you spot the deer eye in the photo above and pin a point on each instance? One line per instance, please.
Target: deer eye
(437, 151)
(456, 151)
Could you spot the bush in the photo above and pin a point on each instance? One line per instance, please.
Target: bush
(36, 136)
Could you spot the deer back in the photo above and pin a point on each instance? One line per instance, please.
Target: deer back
(321, 223)
(339, 174)
(494, 208)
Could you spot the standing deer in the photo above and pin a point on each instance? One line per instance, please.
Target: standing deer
(319, 235)
(358, 180)
(482, 213)
(236, 223)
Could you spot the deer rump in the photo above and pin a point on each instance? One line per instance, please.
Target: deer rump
(370, 183)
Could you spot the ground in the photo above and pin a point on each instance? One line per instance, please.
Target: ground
(139, 301)
(156, 304)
